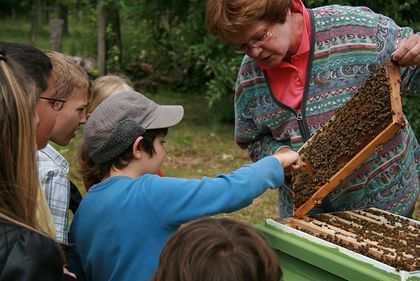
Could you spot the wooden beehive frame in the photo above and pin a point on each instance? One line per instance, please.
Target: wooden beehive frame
(393, 76)
(350, 239)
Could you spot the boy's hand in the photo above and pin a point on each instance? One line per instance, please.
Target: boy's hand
(289, 159)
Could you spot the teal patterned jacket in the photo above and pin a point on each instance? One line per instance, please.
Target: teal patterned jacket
(345, 43)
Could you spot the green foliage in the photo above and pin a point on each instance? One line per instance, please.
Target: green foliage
(83, 32)
(12, 7)
(170, 46)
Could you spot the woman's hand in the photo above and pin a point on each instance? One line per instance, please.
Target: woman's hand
(407, 52)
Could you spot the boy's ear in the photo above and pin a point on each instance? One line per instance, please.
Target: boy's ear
(137, 152)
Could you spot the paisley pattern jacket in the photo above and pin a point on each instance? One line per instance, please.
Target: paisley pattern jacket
(346, 42)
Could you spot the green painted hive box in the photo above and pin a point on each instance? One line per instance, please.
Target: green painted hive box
(304, 257)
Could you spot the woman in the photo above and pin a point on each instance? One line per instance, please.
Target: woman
(26, 253)
(302, 65)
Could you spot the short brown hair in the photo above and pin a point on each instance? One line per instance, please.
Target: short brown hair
(219, 249)
(68, 75)
(225, 19)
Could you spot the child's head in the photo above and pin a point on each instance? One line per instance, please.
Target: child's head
(34, 62)
(104, 87)
(38, 67)
(217, 249)
(122, 126)
(18, 173)
(72, 85)
(101, 88)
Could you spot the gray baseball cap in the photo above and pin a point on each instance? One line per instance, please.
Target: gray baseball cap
(116, 123)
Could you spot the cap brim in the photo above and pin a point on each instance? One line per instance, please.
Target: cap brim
(167, 116)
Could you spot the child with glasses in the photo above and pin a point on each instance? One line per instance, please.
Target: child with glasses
(72, 92)
(124, 220)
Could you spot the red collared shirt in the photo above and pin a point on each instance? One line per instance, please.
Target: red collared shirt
(287, 80)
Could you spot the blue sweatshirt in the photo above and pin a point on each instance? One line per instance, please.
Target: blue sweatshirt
(122, 223)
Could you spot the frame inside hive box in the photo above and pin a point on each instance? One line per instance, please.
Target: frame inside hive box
(358, 129)
(380, 235)
(369, 244)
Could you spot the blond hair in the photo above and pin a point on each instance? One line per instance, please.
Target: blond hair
(19, 182)
(106, 86)
(68, 75)
(226, 19)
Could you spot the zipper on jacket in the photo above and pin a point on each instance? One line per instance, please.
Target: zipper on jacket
(300, 114)
(303, 127)
(300, 117)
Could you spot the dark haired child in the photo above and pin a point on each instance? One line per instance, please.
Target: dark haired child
(125, 219)
(217, 249)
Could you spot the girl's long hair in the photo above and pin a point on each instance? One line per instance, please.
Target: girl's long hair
(19, 182)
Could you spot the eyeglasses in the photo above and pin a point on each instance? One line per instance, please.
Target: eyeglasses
(246, 47)
(57, 105)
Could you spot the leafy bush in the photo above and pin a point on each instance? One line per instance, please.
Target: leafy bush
(170, 47)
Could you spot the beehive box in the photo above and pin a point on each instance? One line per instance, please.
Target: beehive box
(358, 129)
(305, 255)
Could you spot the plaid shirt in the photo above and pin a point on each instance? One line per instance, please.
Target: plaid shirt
(53, 170)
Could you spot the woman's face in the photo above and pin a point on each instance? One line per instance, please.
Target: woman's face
(268, 43)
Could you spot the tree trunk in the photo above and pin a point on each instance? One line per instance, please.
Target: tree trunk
(114, 42)
(45, 13)
(36, 15)
(56, 26)
(101, 38)
(63, 15)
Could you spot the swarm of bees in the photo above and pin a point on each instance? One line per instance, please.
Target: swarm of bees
(353, 128)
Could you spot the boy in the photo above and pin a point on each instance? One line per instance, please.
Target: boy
(72, 84)
(124, 220)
